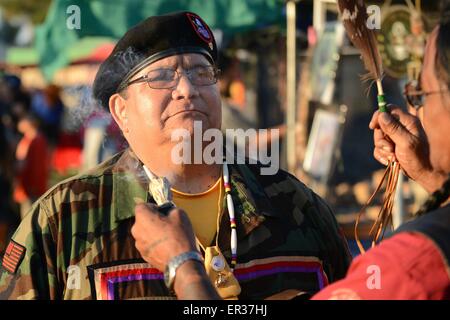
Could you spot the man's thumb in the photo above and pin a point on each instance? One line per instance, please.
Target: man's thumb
(391, 126)
(386, 118)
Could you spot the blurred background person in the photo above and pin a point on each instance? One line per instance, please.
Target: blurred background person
(8, 218)
(32, 164)
(48, 106)
(14, 104)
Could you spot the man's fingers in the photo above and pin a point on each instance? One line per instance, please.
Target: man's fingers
(385, 154)
(381, 142)
(134, 232)
(410, 122)
(145, 207)
(142, 209)
(374, 121)
(393, 128)
(399, 125)
(177, 214)
(139, 246)
(382, 156)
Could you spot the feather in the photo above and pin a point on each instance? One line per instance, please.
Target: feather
(354, 17)
(160, 190)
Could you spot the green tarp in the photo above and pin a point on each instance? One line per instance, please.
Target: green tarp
(82, 49)
(111, 18)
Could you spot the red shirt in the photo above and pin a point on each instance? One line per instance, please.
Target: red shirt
(33, 175)
(408, 266)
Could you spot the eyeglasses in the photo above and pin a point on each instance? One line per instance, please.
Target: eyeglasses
(168, 78)
(415, 95)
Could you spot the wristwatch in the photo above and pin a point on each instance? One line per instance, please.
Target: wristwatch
(174, 263)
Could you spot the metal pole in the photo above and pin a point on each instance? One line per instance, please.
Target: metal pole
(318, 15)
(398, 214)
(291, 85)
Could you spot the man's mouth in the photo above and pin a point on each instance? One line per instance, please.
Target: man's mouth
(192, 111)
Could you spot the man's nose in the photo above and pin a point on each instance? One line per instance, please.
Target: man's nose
(184, 89)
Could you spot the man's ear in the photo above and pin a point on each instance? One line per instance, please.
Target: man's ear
(118, 109)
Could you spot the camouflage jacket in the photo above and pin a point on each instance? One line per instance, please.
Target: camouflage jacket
(76, 243)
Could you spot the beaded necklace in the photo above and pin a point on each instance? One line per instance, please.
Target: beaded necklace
(230, 207)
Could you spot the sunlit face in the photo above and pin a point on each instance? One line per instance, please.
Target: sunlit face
(435, 113)
(149, 116)
(23, 126)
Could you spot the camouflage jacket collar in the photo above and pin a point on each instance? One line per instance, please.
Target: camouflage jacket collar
(130, 185)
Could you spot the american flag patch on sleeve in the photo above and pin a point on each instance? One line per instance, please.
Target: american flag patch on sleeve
(13, 256)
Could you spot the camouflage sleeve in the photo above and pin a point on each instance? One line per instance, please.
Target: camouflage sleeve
(28, 265)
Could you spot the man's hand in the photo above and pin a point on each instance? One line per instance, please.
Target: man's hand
(159, 238)
(400, 136)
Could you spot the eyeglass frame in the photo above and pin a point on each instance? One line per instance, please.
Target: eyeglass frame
(418, 93)
(144, 78)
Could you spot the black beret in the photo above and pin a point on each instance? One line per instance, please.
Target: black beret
(153, 39)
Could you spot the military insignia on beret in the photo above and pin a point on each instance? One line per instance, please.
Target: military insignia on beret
(200, 28)
(13, 256)
(154, 38)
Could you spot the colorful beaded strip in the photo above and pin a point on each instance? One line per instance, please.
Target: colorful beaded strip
(230, 206)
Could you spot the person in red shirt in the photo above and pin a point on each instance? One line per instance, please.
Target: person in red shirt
(32, 164)
(414, 262)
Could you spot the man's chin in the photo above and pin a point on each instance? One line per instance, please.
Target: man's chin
(189, 123)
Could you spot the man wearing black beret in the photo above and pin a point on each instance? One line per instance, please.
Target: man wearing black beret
(257, 235)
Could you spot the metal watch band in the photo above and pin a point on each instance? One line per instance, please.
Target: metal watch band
(175, 262)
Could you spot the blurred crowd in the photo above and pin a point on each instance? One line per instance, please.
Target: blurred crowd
(40, 144)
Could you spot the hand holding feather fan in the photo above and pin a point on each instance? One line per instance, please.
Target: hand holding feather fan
(354, 17)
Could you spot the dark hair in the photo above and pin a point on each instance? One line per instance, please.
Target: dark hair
(33, 118)
(438, 197)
